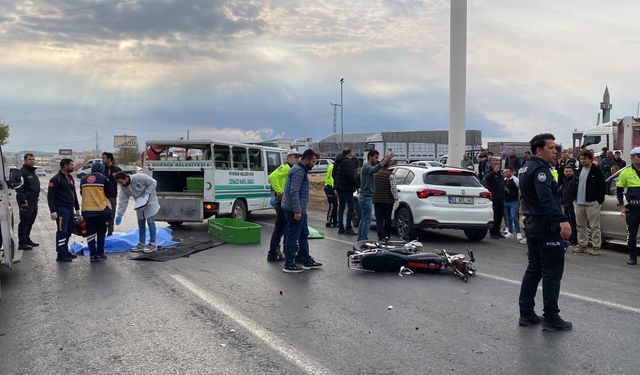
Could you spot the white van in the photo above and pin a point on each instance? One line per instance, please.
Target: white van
(200, 179)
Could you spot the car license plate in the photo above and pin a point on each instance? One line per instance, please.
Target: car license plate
(461, 200)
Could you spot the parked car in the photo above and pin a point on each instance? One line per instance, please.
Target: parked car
(321, 166)
(40, 171)
(86, 168)
(439, 198)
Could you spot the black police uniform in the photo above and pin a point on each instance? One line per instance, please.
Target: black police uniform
(629, 179)
(541, 206)
(27, 196)
(62, 199)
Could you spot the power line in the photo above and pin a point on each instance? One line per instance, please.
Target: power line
(61, 11)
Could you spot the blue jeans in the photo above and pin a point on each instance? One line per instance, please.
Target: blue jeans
(511, 216)
(366, 206)
(151, 221)
(296, 232)
(345, 197)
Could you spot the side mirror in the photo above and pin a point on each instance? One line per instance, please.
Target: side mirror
(15, 178)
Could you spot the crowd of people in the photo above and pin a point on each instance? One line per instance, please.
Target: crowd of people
(99, 206)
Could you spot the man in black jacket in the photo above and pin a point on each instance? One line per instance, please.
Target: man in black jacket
(346, 183)
(567, 196)
(494, 182)
(63, 200)
(110, 170)
(27, 196)
(589, 198)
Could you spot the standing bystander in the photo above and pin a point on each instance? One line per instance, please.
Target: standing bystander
(589, 198)
(567, 197)
(27, 196)
(494, 182)
(385, 195)
(277, 179)
(110, 170)
(511, 200)
(346, 183)
(294, 204)
(366, 190)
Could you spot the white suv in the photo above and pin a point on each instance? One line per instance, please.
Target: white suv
(442, 198)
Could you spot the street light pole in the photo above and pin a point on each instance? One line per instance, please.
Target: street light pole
(341, 116)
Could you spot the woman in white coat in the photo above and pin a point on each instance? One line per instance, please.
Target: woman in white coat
(139, 186)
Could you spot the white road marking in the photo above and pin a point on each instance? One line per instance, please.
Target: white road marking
(292, 354)
(571, 295)
(579, 297)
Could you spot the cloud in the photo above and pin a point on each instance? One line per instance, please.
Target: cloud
(258, 68)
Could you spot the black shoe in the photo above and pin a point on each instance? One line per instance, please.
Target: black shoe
(632, 262)
(95, 259)
(24, 247)
(71, 255)
(556, 324)
(103, 256)
(274, 257)
(327, 225)
(292, 269)
(340, 230)
(63, 259)
(529, 320)
(350, 232)
(313, 265)
(32, 244)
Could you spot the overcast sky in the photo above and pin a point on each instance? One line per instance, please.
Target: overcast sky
(249, 70)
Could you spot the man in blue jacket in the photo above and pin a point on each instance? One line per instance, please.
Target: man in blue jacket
(294, 204)
(62, 200)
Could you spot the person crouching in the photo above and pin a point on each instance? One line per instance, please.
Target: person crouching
(96, 209)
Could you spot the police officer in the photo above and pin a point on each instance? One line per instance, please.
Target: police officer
(27, 196)
(629, 178)
(332, 199)
(546, 230)
(277, 180)
(62, 201)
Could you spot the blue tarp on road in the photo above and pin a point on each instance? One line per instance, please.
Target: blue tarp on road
(122, 242)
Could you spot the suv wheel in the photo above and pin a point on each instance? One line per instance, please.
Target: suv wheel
(475, 234)
(404, 224)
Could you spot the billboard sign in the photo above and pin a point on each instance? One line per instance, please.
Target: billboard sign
(65, 152)
(125, 142)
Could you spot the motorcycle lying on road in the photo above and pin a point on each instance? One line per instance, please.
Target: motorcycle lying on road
(407, 258)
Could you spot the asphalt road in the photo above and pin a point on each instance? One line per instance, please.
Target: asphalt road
(227, 311)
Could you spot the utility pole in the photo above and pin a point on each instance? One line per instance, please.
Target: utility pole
(341, 116)
(97, 149)
(187, 134)
(335, 116)
(457, 82)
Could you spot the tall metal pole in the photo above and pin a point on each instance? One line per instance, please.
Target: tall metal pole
(457, 81)
(341, 116)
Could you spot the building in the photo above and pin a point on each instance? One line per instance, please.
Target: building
(407, 146)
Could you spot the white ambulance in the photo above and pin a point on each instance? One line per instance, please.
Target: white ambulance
(200, 179)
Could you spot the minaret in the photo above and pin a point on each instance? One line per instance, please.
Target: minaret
(606, 106)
